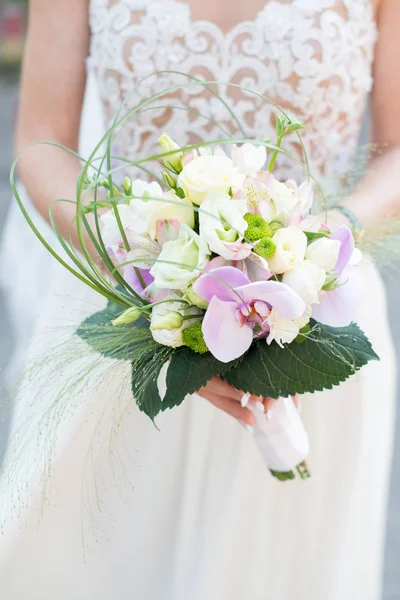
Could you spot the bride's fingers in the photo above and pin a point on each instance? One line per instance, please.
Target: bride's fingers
(230, 406)
(221, 388)
(268, 403)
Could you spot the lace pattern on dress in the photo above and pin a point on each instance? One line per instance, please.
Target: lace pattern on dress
(313, 57)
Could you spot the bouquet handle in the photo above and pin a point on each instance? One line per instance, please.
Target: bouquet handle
(282, 439)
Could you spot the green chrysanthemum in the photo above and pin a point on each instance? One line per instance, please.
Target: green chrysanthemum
(257, 228)
(265, 248)
(193, 338)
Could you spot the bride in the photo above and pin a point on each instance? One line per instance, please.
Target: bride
(204, 519)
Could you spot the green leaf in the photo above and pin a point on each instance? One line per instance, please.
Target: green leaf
(145, 374)
(188, 372)
(312, 235)
(125, 342)
(327, 357)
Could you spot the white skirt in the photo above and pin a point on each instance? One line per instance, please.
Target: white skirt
(189, 512)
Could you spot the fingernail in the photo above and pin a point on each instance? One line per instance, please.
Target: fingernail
(244, 400)
(259, 406)
(269, 415)
(246, 426)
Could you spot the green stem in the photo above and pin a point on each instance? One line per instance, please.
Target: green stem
(187, 317)
(275, 154)
(140, 277)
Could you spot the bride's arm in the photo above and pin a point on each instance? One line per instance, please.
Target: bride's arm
(378, 194)
(52, 91)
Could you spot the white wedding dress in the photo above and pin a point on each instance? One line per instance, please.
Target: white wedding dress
(190, 512)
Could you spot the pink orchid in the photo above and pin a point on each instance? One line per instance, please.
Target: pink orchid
(338, 307)
(236, 305)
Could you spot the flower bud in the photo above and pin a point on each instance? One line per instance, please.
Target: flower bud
(169, 179)
(172, 320)
(127, 186)
(128, 316)
(172, 161)
(195, 299)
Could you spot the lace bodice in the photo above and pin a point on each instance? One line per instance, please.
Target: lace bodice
(313, 57)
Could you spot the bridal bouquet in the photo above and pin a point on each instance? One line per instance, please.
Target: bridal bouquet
(218, 268)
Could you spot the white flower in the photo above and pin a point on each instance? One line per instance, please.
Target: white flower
(110, 232)
(306, 280)
(221, 221)
(282, 330)
(206, 174)
(143, 189)
(141, 204)
(180, 261)
(173, 208)
(289, 197)
(249, 159)
(324, 253)
(291, 245)
(150, 204)
(313, 223)
(161, 312)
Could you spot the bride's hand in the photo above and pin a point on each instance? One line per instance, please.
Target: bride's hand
(227, 398)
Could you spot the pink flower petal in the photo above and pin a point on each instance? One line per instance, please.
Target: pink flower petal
(225, 339)
(220, 282)
(241, 250)
(345, 237)
(167, 230)
(216, 263)
(278, 295)
(339, 307)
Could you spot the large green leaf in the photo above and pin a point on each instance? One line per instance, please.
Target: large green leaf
(188, 372)
(125, 342)
(145, 374)
(327, 357)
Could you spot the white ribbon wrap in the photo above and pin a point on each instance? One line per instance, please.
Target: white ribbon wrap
(280, 436)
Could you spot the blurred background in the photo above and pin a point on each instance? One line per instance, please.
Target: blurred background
(13, 16)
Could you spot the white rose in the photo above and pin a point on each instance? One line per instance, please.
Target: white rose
(221, 220)
(206, 174)
(170, 337)
(150, 204)
(282, 330)
(184, 257)
(324, 253)
(307, 281)
(173, 208)
(249, 159)
(111, 233)
(140, 205)
(291, 245)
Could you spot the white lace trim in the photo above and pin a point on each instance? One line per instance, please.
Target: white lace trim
(313, 57)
